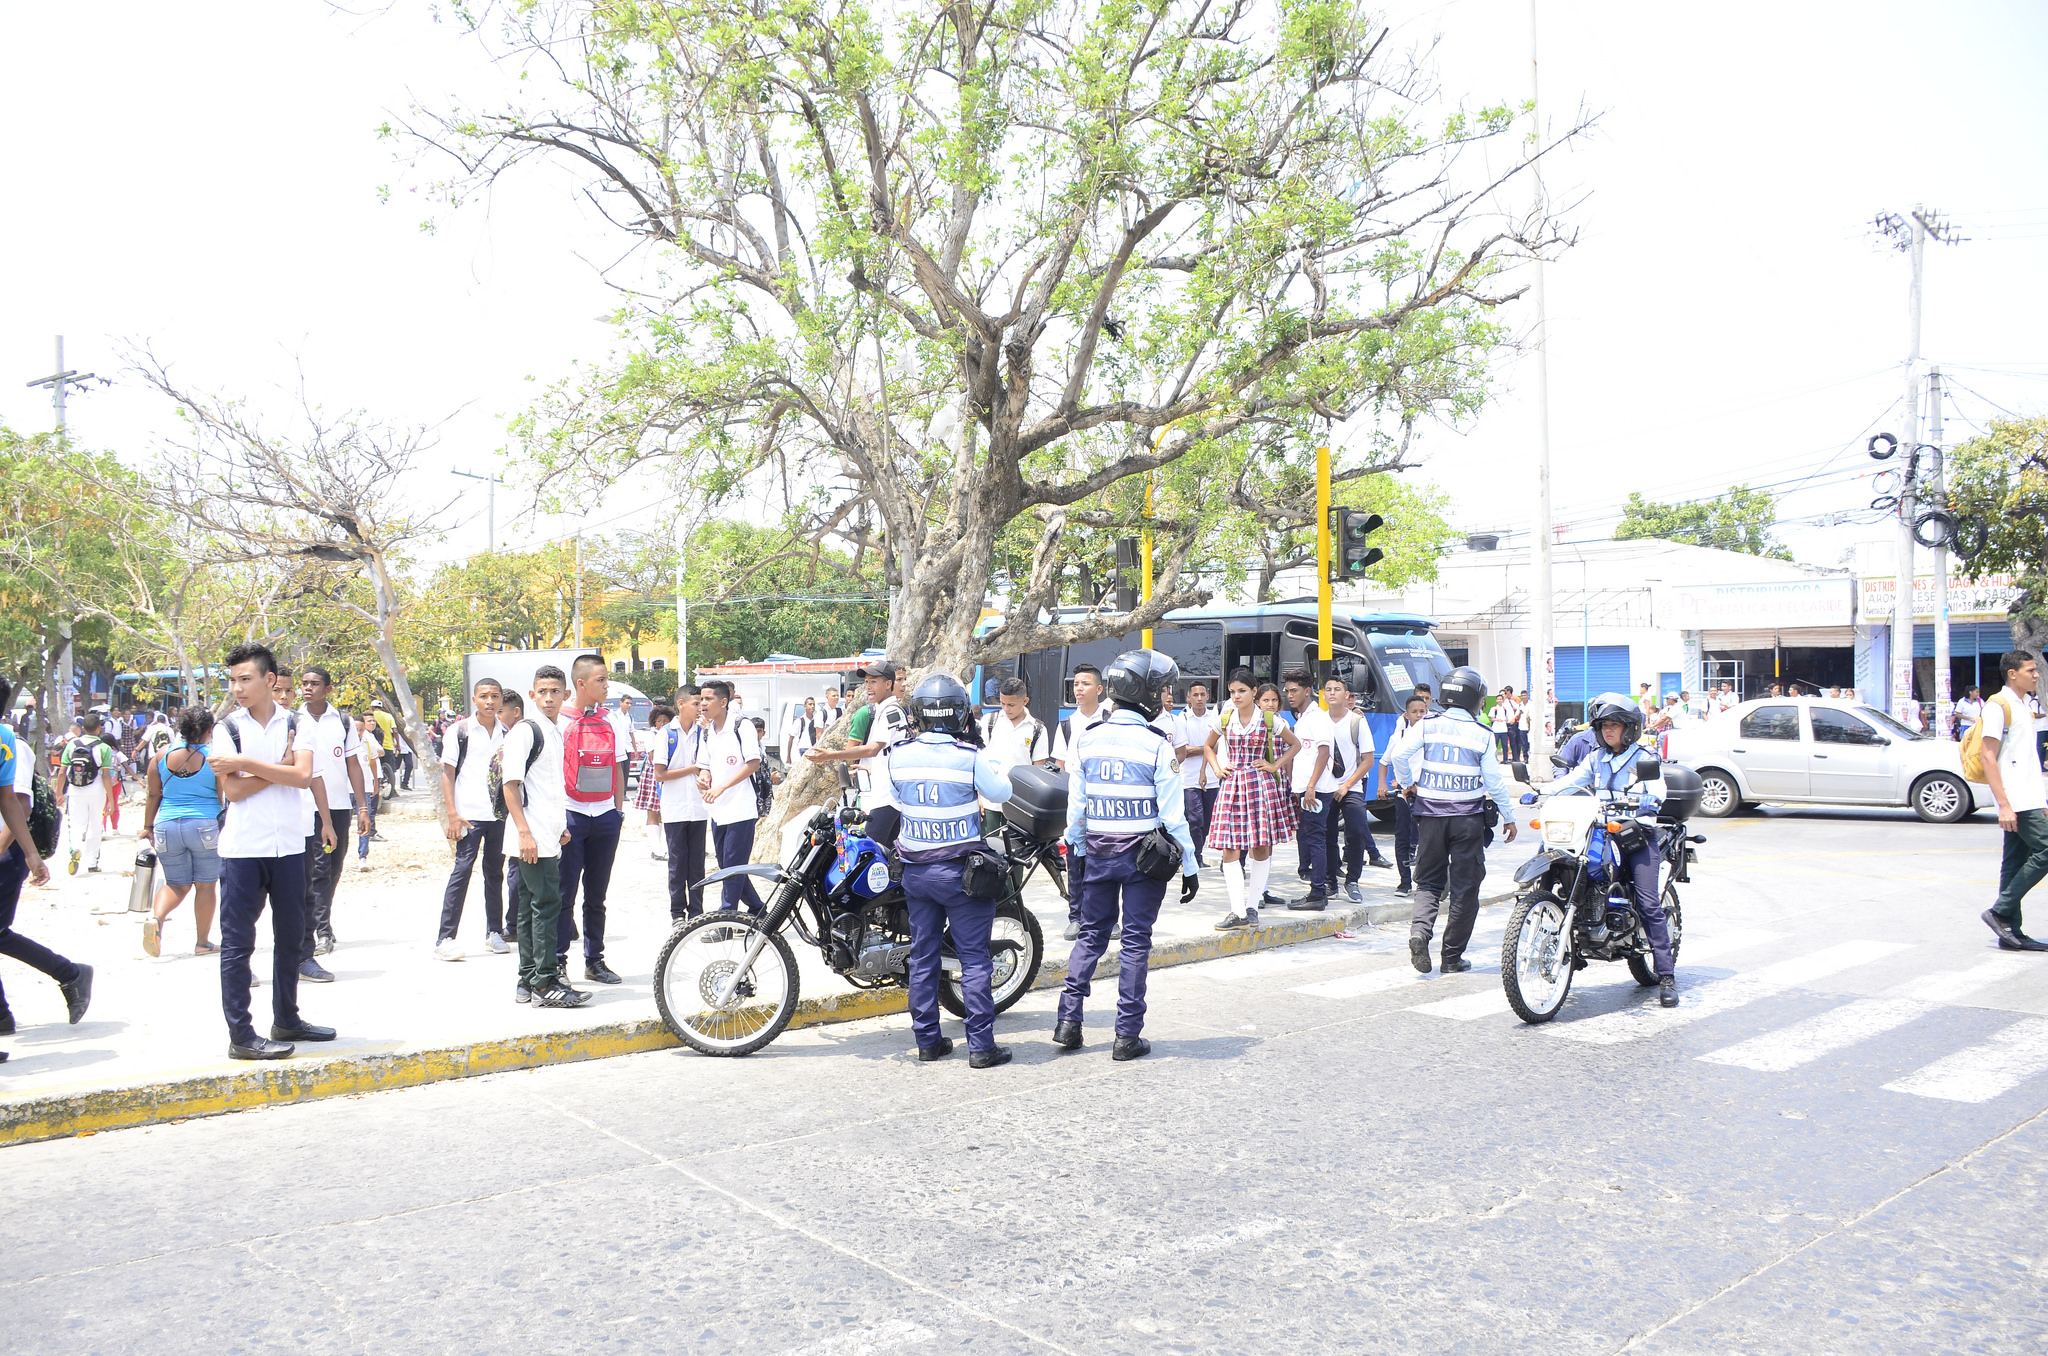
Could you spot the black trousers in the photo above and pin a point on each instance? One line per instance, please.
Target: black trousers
(685, 865)
(487, 840)
(1404, 838)
(1349, 811)
(247, 884)
(1450, 859)
(13, 872)
(323, 875)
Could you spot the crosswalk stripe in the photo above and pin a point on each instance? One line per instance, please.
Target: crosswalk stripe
(1721, 995)
(1357, 986)
(1285, 958)
(1837, 1029)
(1470, 1007)
(1695, 951)
(1983, 1072)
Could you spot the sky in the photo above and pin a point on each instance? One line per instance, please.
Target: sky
(204, 181)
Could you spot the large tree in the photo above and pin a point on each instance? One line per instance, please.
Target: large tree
(2000, 480)
(929, 274)
(1740, 520)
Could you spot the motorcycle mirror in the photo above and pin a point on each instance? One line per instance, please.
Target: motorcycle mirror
(1521, 771)
(1649, 769)
(1557, 760)
(845, 776)
(1528, 798)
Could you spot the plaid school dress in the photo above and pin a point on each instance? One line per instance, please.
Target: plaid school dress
(1251, 810)
(648, 797)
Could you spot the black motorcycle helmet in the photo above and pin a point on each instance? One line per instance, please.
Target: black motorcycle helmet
(1614, 706)
(1133, 681)
(941, 705)
(1464, 689)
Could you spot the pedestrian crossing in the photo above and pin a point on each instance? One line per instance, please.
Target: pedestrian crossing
(1979, 1072)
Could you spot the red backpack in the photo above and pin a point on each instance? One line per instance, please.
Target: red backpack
(590, 758)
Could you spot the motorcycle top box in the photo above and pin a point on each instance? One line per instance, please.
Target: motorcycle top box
(1038, 802)
(1682, 792)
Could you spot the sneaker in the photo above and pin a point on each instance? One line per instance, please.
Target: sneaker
(561, 996)
(1233, 923)
(1314, 903)
(313, 972)
(152, 937)
(449, 950)
(1382, 863)
(323, 943)
(521, 994)
(658, 854)
(1352, 892)
(1073, 930)
(74, 863)
(93, 870)
(77, 994)
(1406, 889)
(495, 944)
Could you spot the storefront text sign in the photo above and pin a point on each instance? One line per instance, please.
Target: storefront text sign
(1793, 602)
(1980, 596)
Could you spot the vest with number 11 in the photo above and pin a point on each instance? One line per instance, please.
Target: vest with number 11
(1449, 780)
(1118, 759)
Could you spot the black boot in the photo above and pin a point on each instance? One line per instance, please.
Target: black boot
(1667, 992)
(1067, 1035)
(1130, 1047)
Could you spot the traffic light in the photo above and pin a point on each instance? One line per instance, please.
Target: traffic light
(1350, 557)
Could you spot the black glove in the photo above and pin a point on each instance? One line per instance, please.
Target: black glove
(1189, 884)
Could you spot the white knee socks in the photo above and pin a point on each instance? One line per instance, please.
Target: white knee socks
(1233, 884)
(1255, 875)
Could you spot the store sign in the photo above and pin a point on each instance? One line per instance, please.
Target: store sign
(1787, 603)
(1986, 595)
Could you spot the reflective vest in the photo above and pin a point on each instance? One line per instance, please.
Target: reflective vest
(932, 780)
(1119, 759)
(1448, 780)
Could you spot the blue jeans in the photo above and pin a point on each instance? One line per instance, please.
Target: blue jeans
(587, 860)
(246, 884)
(1349, 810)
(734, 844)
(1115, 885)
(931, 890)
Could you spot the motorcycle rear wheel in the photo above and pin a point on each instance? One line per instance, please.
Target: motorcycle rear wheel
(1017, 946)
(1643, 967)
(695, 963)
(1536, 959)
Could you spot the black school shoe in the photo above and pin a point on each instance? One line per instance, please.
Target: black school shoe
(599, 973)
(1667, 992)
(1067, 1035)
(928, 1053)
(989, 1058)
(1313, 904)
(1457, 966)
(78, 994)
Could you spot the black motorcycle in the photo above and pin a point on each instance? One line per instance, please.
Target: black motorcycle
(1575, 906)
(726, 982)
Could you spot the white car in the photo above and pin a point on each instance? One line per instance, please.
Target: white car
(1823, 752)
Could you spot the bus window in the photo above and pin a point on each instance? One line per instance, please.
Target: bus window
(992, 676)
(1251, 650)
(1198, 650)
(1101, 653)
(1407, 658)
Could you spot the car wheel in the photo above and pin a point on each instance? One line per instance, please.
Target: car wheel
(1941, 799)
(1719, 795)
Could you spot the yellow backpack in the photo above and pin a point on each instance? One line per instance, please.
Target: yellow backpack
(1973, 741)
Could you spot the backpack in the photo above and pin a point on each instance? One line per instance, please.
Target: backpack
(81, 763)
(291, 731)
(494, 775)
(590, 757)
(764, 790)
(1973, 740)
(45, 816)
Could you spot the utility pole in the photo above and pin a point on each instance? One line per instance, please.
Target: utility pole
(59, 382)
(682, 607)
(1909, 443)
(579, 588)
(1325, 648)
(1542, 668)
(490, 506)
(1937, 490)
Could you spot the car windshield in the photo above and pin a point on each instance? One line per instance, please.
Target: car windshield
(1897, 729)
(1408, 659)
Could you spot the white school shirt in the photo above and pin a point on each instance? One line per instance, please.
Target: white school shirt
(1354, 743)
(472, 790)
(275, 821)
(725, 752)
(1013, 744)
(2019, 755)
(1315, 730)
(681, 801)
(546, 798)
(622, 749)
(332, 738)
(1077, 723)
(1194, 734)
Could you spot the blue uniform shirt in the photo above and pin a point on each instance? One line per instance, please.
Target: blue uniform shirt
(1577, 747)
(937, 782)
(1408, 756)
(1605, 770)
(1125, 782)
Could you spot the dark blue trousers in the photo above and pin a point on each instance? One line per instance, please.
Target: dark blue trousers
(587, 861)
(734, 845)
(13, 872)
(1115, 885)
(1349, 811)
(246, 884)
(488, 840)
(1404, 839)
(931, 890)
(1641, 867)
(1077, 872)
(1200, 802)
(1314, 827)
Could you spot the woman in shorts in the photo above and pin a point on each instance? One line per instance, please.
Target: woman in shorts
(181, 818)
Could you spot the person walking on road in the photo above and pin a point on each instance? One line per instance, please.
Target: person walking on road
(1449, 770)
(20, 862)
(88, 765)
(595, 755)
(181, 820)
(675, 762)
(467, 747)
(331, 735)
(263, 778)
(2012, 767)
(536, 801)
(1251, 809)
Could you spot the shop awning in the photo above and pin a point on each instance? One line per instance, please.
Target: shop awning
(1790, 638)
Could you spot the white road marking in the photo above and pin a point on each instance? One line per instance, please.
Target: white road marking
(1357, 986)
(885, 1336)
(1721, 995)
(1983, 1072)
(1471, 1007)
(1823, 1034)
(1467, 1007)
(1285, 958)
(1692, 950)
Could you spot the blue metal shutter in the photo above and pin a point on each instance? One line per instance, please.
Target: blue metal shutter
(1584, 672)
(1964, 639)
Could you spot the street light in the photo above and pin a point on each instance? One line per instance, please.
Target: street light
(490, 506)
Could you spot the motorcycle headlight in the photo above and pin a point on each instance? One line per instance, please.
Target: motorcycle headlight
(1559, 833)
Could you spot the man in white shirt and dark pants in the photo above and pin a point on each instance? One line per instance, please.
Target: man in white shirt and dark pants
(473, 825)
(596, 815)
(732, 751)
(2012, 767)
(331, 735)
(675, 761)
(1013, 737)
(1351, 763)
(536, 801)
(262, 855)
(1191, 745)
(1314, 786)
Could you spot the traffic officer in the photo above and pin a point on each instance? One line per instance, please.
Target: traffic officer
(935, 780)
(1610, 768)
(1123, 783)
(1448, 771)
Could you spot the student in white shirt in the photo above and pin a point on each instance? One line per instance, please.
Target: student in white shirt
(1087, 682)
(328, 731)
(731, 754)
(2012, 767)
(537, 803)
(1014, 738)
(473, 825)
(674, 762)
(1352, 755)
(263, 776)
(1312, 783)
(1198, 780)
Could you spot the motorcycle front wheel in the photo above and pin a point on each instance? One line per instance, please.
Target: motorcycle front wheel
(1642, 967)
(1536, 959)
(1016, 945)
(717, 1001)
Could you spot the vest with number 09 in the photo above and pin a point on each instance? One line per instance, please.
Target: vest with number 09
(1118, 759)
(1448, 780)
(932, 780)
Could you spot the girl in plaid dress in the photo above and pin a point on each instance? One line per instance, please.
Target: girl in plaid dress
(1251, 812)
(648, 797)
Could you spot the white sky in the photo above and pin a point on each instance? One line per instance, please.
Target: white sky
(203, 178)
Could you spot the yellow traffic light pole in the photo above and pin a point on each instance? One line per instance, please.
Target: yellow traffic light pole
(1325, 549)
(1145, 546)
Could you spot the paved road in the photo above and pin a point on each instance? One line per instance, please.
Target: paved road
(1838, 1142)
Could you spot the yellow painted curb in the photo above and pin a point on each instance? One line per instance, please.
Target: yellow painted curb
(284, 1083)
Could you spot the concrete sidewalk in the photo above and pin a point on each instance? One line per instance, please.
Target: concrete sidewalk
(153, 1046)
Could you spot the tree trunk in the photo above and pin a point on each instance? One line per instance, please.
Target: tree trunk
(807, 785)
(425, 755)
